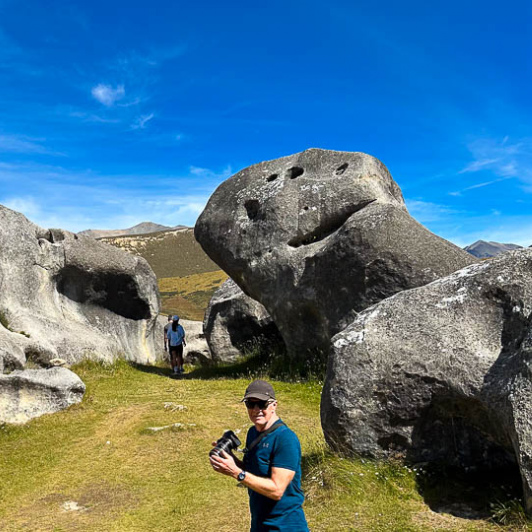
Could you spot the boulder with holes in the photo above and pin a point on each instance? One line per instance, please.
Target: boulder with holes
(317, 237)
(441, 372)
(71, 297)
(235, 324)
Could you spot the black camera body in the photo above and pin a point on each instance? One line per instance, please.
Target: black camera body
(228, 442)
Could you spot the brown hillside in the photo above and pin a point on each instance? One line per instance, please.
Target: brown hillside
(187, 277)
(173, 253)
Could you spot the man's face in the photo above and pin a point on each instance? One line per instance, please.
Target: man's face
(260, 416)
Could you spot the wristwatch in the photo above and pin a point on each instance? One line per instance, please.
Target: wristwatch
(241, 476)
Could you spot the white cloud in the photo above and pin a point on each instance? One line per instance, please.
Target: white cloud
(81, 200)
(502, 159)
(26, 205)
(23, 144)
(108, 95)
(425, 211)
(205, 172)
(141, 121)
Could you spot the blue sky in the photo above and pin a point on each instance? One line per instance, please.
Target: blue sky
(113, 113)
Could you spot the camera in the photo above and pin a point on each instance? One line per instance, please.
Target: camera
(228, 442)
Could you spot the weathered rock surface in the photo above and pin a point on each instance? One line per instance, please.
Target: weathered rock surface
(67, 296)
(234, 322)
(317, 237)
(442, 372)
(196, 351)
(31, 393)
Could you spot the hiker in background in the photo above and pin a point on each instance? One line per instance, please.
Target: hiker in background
(271, 469)
(176, 341)
(166, 327)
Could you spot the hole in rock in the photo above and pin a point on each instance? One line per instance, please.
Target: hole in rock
(305, 208)
(294, 172)
(341, 169)
(252, 208)
(327, 226)
(272, 177)
(116, 292)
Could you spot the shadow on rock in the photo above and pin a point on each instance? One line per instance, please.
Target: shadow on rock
(468, 494)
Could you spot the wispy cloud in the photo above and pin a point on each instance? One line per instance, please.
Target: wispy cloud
(131, 61)
(24, 144)
(105, 201)
(206, 173)
(141, 121)
(426, 212)
(108, 95)
(500, 158)
(24, 204)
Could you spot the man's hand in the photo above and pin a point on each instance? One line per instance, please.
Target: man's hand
(225, 464)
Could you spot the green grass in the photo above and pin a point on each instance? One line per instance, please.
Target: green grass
(101, 455)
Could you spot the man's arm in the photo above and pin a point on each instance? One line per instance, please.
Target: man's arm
(272, 487)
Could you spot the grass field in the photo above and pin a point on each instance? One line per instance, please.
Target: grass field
(99, 467)
(189, 296)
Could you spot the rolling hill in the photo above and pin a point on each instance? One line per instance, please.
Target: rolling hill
(139, 229)
(187, 277)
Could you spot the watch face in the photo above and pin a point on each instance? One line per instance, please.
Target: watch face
(241, 475)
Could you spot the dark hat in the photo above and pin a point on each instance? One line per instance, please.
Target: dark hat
(259, 390)
(175, 317)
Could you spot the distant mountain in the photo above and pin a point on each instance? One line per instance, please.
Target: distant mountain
(143, 228)
(485, 250)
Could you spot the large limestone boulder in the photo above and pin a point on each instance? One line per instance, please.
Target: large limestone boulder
(441, 372)
(317, 237)
(235, 322)
(68, 297)
(31, 393)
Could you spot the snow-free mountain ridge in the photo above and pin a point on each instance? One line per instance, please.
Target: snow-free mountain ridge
(139, 229)
(484, 250)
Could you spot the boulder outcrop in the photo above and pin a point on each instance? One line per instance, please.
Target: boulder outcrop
(33, 392)
(70, 297)
(317, 237)
(441, 372)
(234, 322)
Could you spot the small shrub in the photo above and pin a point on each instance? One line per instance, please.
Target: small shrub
(510, 513)
(4, 321)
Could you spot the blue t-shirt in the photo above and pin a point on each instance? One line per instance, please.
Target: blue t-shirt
(175, 337)
(280, 448)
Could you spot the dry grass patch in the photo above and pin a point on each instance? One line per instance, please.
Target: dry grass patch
(190, 295)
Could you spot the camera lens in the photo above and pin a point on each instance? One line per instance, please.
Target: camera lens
(228, 442)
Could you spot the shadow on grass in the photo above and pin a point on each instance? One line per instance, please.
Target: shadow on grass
(262, 365)
(154, 370)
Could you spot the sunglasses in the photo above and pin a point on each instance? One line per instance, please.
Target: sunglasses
(261, 404)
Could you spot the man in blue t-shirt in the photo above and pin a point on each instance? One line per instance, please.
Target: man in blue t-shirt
(271, 469)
